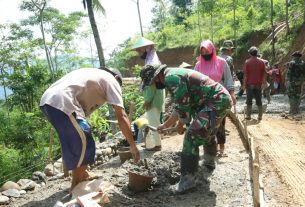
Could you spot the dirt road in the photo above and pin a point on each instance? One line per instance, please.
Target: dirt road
(281, 145)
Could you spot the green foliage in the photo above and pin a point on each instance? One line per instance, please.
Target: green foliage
(9, 163)
(98, 121)
(27, 84)
(24, 138)
(132, 96)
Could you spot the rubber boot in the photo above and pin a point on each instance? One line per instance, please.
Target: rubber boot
(248, 112)
(260, 112)
(209, 156)
(189, 166)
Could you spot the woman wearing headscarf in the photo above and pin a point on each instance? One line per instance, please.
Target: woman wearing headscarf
(218, 70)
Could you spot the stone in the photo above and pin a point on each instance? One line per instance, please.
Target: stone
(27, 184)
(10, 185)
(4, 200)
(39, 177)
(50, 170)
(12, 193)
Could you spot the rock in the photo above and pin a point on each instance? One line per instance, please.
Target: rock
(27, 184)
(106, 151)
(58, 176)
(10, 185)
(12, 193)
(99, 152)
(39, 177)
(22, 192)
(50, 170)
(4, 200)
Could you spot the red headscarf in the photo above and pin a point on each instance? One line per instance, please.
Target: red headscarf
(213, 68)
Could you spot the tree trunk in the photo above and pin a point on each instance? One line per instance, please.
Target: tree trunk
(212, 26)
(44, 39)
(287, 19)
(272, 26)
(4, 89)
(95, 33)
(139, 14)
(234, 25)
(304, 11)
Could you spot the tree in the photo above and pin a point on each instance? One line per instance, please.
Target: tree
(209, 7)
(304, 12)
(5, 54)
(59, 31)
(287, 17)
(272, 26)
(90, 5)
(38, 7)
(158, 19)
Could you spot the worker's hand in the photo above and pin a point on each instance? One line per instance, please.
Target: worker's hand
(180, 128)
(135, 153)
(264, 86)
(160, 128)
(147, 105)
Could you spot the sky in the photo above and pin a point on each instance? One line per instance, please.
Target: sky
(121, 20)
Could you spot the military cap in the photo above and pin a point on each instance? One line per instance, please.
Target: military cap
(157, 70)
(227, 44)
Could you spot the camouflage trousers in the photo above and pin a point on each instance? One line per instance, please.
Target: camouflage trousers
(202, 131)
(294, 94)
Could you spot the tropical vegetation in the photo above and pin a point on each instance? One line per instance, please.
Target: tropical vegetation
(30, 61)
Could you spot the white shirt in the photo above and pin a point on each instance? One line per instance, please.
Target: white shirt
(82, 91)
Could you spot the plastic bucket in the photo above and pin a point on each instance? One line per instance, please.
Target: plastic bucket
(124, 154)
(139, 183)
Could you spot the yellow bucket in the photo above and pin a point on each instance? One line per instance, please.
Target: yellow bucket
(141, 122)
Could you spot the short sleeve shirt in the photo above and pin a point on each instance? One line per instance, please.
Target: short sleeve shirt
(82, 91)
(254, 69)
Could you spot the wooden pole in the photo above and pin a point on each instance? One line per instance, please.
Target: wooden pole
(51, 144)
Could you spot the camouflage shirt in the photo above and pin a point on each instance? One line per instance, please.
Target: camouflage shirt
(229, 61)
(193, 92)
(296, 71)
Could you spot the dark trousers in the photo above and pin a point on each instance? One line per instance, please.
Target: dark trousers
(254, 91)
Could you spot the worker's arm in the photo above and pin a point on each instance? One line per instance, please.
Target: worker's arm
(124, 125)
(170, 122)
(264, 83)
(228, 82)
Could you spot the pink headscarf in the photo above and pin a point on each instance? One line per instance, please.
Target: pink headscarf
(213, 68)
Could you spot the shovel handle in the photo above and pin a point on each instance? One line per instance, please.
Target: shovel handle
(152, 128)
(145, 163)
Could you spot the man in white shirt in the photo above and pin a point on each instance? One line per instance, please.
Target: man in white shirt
(67, 103)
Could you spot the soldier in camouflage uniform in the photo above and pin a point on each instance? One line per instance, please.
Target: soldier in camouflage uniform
(295, 77)
(200, 102)
(227, 50)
